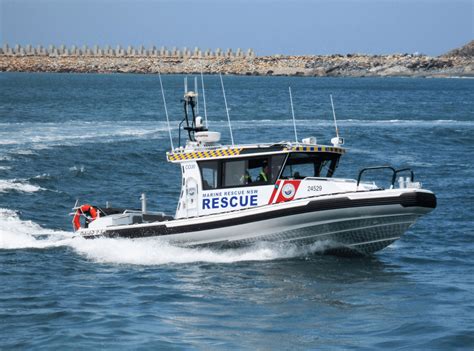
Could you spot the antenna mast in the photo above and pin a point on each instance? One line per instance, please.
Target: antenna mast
(334, 115)
(196, 91)
(337, 141)
(166, 110)
(293, 114)
(227, 109)
(204, 98)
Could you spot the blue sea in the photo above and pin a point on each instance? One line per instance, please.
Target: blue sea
(101, 138)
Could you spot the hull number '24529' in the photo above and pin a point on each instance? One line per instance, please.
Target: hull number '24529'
(315, 188)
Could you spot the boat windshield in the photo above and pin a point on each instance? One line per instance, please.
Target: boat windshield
(301, 165)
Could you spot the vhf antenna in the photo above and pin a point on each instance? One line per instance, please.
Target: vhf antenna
(196, 91)
(185, 92)
(334, 115)
(226, 109)
(166, 110)
(204, 98)
(293, 114)
(337, 140)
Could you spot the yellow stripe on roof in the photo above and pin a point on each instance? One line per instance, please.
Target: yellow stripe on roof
(182, 156)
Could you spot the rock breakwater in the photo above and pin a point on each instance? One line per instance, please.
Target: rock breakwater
(352, 65)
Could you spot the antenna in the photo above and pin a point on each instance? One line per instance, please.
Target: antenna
(334, 115)
(337, 140)
(204, 98)
(185, 92)
(196, 91)
(293, 114)
(166, 110)
(227, 109)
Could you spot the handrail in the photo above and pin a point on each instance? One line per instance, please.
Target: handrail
(412, 175)
(394, 173)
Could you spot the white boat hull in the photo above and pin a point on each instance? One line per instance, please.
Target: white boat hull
(357, 222)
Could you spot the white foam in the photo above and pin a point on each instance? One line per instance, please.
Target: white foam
(80, 169)
(39, 136)
(7, 185)
(157, 252)
(24, 152)
(42, 176)
(19, 234)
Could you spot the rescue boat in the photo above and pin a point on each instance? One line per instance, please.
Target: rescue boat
(234, 195)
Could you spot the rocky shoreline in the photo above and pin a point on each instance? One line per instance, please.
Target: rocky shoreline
(356, 65)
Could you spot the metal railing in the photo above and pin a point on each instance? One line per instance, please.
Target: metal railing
(395, 172)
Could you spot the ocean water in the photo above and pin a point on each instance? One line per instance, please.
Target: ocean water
(103, 138)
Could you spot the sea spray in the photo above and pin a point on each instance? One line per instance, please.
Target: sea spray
(7, 185)
(16, 233)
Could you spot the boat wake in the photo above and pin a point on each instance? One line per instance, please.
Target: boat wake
(18, 185)
(16, 234)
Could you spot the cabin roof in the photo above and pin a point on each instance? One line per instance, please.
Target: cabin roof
(180, 155)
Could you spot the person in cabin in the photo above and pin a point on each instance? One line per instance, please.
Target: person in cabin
(264, 175)
(246, 178)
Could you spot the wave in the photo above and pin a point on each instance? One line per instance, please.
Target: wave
(16, 233)
(7, 185)
(44, 135)
(349, 122)
(19, 234)
(28, 137)
(44, 176)
(158, 252)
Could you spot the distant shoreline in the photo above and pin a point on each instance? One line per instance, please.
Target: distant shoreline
(356, 65)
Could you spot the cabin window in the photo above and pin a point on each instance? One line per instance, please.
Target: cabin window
(302, 165)
(234, 173)
(241, 171)
(251, 171)
(209, 174)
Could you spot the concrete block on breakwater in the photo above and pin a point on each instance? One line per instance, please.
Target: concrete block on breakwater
(185, 61)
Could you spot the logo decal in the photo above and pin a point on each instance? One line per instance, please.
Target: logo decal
(288, 191)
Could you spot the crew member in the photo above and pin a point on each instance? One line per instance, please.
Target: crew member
(246, 178)
(264, 175)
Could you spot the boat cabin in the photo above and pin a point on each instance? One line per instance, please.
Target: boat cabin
(234, 178)
(218, 179)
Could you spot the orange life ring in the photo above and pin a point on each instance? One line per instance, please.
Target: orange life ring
(88, 211)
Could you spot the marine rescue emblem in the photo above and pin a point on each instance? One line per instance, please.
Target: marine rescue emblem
(288, 191)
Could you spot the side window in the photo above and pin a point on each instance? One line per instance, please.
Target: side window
(247, 172)
(234, 173)
(209, 174)
(259, 170)
(241, 172)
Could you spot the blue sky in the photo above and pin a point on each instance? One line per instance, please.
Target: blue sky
(269, 27)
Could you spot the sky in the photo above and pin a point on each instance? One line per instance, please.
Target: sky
(289, 27)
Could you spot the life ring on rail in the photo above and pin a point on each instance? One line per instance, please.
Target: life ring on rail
(88, 211)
